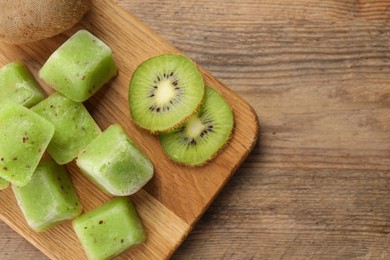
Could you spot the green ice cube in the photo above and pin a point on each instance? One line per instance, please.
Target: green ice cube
(3, 184)
(81, 66)
(49, 198)
(115, 164)
(109, 229)
(24, 136)
(74, 126)
(17, 85)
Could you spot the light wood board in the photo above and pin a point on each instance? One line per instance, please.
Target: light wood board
(172, 202)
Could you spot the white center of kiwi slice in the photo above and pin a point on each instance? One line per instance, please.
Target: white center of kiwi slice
(165, 92)
(194, 127)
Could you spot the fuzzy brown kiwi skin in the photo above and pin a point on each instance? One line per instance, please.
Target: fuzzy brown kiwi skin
(219, 151)
(31, 20)
(170, 129)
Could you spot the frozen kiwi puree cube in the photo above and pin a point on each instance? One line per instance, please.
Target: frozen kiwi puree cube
(17, 85)
(24, 137)
(3, 184)
(49, 198)
(114, 163)
(109, 229)
(74, 126)
(79, 67)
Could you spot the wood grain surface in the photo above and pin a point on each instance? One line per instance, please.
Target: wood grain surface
(317, 72)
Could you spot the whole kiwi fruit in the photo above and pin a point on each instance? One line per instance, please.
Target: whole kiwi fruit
(31, 20)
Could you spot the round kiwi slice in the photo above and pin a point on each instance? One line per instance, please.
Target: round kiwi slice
(199, 139)
(164, 92)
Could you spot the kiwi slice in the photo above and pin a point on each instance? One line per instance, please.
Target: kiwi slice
(199, 139)
(164, 92)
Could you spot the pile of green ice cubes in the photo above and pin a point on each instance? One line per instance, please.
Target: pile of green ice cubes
(31, 123)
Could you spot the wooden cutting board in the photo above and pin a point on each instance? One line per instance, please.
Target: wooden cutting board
(176, 197)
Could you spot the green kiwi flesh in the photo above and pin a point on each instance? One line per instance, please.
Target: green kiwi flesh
(164, 92)
(202, 136)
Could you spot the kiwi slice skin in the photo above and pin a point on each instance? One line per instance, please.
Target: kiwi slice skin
(164, 92)
(205, 134)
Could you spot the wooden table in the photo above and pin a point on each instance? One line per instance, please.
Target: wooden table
(317, 72)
